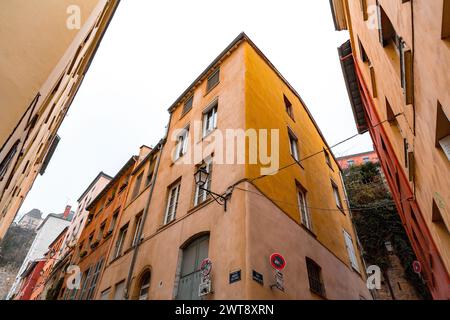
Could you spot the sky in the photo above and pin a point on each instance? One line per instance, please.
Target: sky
(153, 50)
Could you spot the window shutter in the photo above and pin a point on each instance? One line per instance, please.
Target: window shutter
(351, 250)
(406, 70)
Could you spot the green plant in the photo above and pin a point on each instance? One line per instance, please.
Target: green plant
(376, 220)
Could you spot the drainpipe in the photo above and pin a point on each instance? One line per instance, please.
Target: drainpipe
(159, 147)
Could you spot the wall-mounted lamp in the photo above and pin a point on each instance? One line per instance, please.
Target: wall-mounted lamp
(201, 177)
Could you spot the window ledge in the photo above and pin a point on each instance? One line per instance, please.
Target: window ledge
(341, 209)
(298, 162)
(168, 224)
(308, 230)
(200, 205)
(207, 135)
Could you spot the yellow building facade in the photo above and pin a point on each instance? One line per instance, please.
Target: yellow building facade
(396, 66)
(49, 49)
(289, 201)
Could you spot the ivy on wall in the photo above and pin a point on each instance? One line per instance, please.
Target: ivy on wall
(377, 221)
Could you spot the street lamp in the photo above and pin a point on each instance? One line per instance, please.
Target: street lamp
(201, 177)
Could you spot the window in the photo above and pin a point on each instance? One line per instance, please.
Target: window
(137, 186)
(119, 290)
(315, 277)
(327, 158)
(144, 286)
(201, 195)
(364, 9)
(5, 163)
(84, 283)
(91, 237)
(210, 119)
(390, 115)
(351, 250)
(406, 72)
(386, 30)
(337, 196)
(362, 52)
(101, 231)
(213, 80)
(172, 203)
(373, 81)
(293, 143)
(366, 159)
(137, 226)
(105, 294)
(151, 166)
(94, 279)
(182, 144)
(303, 207)
(351, 162)
(288, 106)
(437, 215)
(113, 222)
(446, 20)
(187, 105)
(442, 131)
(120, 241)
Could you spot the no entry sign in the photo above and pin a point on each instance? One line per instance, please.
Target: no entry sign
(277, 261)
(417, 267)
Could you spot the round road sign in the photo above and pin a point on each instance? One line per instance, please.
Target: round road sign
(277, 261)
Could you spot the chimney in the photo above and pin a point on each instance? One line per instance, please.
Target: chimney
(67, 212)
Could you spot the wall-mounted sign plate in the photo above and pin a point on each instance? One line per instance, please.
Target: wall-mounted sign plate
(258, 277)
(235, 276)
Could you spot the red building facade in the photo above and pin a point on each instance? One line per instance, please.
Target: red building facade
(433, 269)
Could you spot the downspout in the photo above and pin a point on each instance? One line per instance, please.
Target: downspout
(160, 147)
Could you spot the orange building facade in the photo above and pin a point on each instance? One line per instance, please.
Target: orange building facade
(169, 226)
(91, 252)
(40, 289)
(357, 159)
(395, 66)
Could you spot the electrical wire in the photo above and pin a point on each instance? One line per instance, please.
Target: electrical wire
(387, 205)
(319, 152)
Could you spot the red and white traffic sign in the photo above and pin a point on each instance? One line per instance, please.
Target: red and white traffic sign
(277, 261)
(417, 267)
(206, 267)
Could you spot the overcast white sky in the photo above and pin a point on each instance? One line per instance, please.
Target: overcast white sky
(152, 52)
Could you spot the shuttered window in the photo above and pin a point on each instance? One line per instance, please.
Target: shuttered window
(94, 280)
(351, 250)
(213, 80)
(188, 105)
(315, 277)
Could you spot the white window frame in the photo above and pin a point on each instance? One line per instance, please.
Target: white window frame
(172, 203)
(337, 195)
(136, 231)
(293, 145)
(145, 287)
(351, 250)
(208, 166)
(210, 118)
(120, 241)
(182, 144)
(303, 208)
